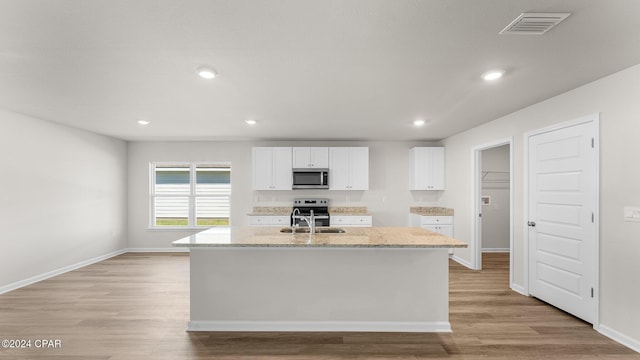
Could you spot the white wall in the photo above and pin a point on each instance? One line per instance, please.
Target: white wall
(616, 98)
(63, 197)
(495, 184)
(388, 198)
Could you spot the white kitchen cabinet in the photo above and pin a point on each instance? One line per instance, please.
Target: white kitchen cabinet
(349, 168)
(310, 157)
(269, 220)
(426, 168)
(437, 223)
(440, 224)
(446, 230)
(351, 220)
(272, 168)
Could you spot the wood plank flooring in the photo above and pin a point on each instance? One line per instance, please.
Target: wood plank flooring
(136, 306)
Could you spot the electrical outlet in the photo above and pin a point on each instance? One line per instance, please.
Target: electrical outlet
(632, 213)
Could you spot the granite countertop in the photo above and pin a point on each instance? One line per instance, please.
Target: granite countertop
(286, 210)
(349, 211)
(271, 211)
(372, 237)
(431, 211)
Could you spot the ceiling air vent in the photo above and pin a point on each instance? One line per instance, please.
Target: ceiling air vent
(534, 23)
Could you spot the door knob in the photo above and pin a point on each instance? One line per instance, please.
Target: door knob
(531, 223)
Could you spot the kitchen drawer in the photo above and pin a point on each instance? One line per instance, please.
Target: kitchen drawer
(437, 220)
(348, 220)
(446, 230)
(269, 220)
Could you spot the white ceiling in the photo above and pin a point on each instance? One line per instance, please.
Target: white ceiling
(304, 69)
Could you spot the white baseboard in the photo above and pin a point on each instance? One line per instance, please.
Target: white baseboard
(60, 271)
(519, 289)
(617, 336)
(496, 250)
(157, 250)
(50, 274)
(364, 326)
(462, 261)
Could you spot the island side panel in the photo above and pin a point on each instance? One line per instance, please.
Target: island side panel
(311, 289)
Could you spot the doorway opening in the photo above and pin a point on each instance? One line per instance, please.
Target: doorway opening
(492, 196)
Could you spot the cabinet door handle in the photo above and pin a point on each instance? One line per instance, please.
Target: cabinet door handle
(531, 223)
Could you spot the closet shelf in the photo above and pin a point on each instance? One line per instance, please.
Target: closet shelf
(495, 177)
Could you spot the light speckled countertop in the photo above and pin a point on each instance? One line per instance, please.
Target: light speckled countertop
(271, 211)
(372, 237)
(431, 211)
(349, 211)
(286, 210)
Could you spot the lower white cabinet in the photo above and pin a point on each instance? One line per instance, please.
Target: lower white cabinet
(351, 220)
(339, 220)
(440, 224)
(446, 230)
(269, 220)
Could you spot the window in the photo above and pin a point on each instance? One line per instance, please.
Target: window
(190, 195)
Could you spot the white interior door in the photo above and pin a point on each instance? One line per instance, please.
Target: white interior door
(563, 232)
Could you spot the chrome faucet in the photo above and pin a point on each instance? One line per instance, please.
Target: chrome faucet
(293, 220)
(310, 220)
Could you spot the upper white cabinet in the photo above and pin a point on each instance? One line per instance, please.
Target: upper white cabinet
(426, 168)
(311, 157)
(272, 168)
(349, 168)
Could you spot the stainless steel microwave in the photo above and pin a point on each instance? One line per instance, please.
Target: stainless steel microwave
(304, 178)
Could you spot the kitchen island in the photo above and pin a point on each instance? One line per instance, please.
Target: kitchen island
(365, 279)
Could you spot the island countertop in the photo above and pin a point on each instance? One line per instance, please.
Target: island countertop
(353, 237)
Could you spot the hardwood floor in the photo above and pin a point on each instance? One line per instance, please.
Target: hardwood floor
(136, 306)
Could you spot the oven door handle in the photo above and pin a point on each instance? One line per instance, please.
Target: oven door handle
(315, 217)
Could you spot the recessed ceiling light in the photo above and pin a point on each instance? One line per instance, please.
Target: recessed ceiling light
(251, 122)
(492, 75)
(144, 122)
(206, 72)
(419, 122)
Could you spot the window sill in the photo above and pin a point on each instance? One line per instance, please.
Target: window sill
(184, 228)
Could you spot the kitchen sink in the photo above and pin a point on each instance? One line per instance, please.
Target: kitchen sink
(322, 230)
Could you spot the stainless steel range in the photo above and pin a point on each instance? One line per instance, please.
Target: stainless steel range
(304, 208)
